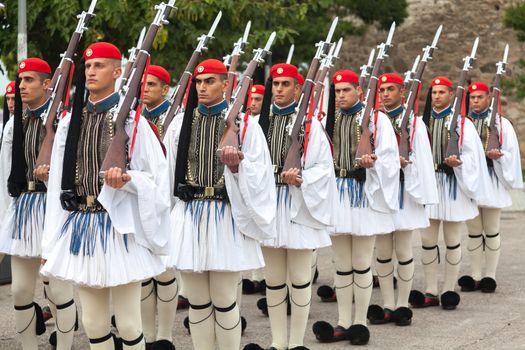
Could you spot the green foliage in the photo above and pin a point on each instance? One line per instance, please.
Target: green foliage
(515, 18)
(51, 22)
(515, 86)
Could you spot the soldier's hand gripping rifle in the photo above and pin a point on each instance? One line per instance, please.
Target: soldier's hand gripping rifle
(495, 136)
(178, 95)
(230, 136)
(365, 145)
(455, 139)
(327, 63)
(60, 84)
(293, 158)
(116, 155)
(231, 61)
(366, 69)
(131, 59)
(405, 148)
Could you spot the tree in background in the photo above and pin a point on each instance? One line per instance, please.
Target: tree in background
(515, 18)
(51, 22)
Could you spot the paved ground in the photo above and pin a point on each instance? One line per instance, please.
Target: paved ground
(482, 321)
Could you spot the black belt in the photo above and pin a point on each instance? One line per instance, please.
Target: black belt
(187, 193)
(71, 202)
(33, 186)
(358, 174)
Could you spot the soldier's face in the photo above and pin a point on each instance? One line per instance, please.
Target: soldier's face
(101, 74)
(33, 89)
(346, 95)
(442, 97)
(391, 95)
(256, 105)
(479, 101)
(11, 103)
(284, 90)
(211, 88)
(155, 91)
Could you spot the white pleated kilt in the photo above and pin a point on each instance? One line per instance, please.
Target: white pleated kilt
(23, 226)
(353, 214)
(90, 252)
(411, 215)
(453, 204)
(291, 235)
(207, 239)
(499, 196)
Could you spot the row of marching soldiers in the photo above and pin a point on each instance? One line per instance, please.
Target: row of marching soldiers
(190, 210)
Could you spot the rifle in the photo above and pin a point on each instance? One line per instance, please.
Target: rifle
(180, 90)
(495, 140)
(365, 145)
(415, 76)
(60, 84)
(366, 69)
(116, 155)
(231, 61)
(293, 158)
(290, 54)
(131, 59)
(326, 65)
(230, 136)
(409, 74)
(454, 142)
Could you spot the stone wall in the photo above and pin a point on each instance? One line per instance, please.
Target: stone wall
(462, 21)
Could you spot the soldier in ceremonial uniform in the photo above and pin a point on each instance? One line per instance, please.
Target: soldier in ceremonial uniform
(5, 157)
(155, 92)
(159, 294)
(257, 99)
(504, 167)
(368, 196)
(22, 228)
(457, 189)
(9, 104)
(104, 231)
(226, 206)
(304, 212)
(417, 189)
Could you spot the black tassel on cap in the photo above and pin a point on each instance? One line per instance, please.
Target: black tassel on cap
(17, 181)
(330, 113)
(185, 136)
(427, 112)
(264, 118)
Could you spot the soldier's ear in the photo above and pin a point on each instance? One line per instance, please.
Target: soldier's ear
(225, 84)
(47, 82)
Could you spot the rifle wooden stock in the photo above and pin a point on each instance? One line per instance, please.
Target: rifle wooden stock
(116, 155)
(231, 77)
(453, 142)
(404, 139)
(494, 141)
(230, 137)
(178, 95)
(365, 145)
(59, 85)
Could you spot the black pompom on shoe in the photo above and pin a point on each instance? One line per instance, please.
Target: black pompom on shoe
(416, 298)
(327, 294)
(186, 324)
(252, 346)
(263, 306)
(487, 285)
(53, 338)
(358, 334)
(248, 286)
(377, 315)
(450, 300)
(467, 284)
(162, 345)
(402, 316)
(325, 333)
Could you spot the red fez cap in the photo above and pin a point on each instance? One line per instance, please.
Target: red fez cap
(284, 70)
(345, 76)
(478, 86)
(258, 89)
(34, 65)
(300, 79)
(102, 50)
(10, 88)
(160, 73)
(391, 78)
(441, 81)
(210, 66)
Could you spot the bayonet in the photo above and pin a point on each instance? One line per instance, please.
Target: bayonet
(290, 54)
